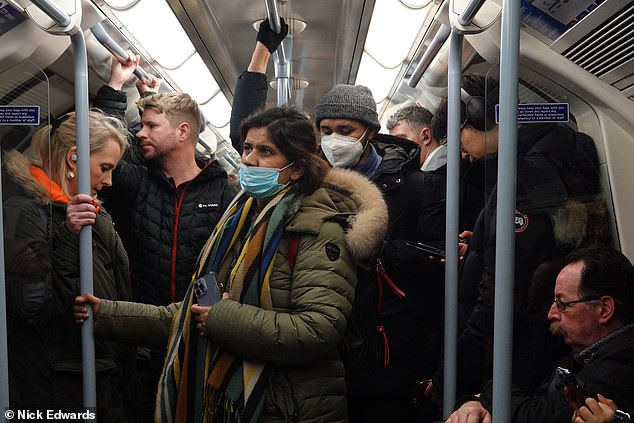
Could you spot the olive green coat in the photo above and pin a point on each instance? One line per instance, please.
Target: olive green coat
(340, 225)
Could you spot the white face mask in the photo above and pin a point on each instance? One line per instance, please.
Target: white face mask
(343, 151)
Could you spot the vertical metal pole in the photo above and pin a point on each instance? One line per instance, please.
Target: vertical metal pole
(505, 229)
(282, 65)
(283, 77)
(452, 226)
(4, 340)
(85, 236)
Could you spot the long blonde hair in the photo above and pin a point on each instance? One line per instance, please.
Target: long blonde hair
(51, 143)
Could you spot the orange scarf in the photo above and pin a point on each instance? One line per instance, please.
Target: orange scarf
(54, 190)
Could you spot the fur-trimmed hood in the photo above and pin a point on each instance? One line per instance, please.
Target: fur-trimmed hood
(17, 167)
(350, 198)
(582, 224)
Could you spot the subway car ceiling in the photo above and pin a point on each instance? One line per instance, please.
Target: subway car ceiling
(581, 53)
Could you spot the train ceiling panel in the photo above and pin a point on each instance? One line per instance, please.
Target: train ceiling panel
(327, 51)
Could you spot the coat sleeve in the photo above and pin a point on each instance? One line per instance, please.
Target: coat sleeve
(135, 323)
(321, 291)
(28, 265)
(548, 408)
(66, 272)
(110, 264)
(110, 101)
(250, 96)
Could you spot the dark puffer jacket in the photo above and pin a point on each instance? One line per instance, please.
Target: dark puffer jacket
(409, 325)
(556, 210)
(42, 269)
(163, 226)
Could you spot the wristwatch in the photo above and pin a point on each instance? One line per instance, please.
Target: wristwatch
(622, 417)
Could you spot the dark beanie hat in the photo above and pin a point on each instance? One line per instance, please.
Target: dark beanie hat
(354, 102)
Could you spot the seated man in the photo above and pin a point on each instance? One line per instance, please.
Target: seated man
(593, 313)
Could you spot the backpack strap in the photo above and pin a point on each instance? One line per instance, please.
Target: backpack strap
(293, 245)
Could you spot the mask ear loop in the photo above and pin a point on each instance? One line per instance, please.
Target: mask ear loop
(290, 180)
(361, 140)
(287, 166)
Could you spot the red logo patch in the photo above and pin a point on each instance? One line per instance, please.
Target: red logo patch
(521, 221)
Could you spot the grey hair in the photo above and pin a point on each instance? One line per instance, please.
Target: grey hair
(416, 116)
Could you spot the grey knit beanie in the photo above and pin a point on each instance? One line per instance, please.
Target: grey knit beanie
(354, 102)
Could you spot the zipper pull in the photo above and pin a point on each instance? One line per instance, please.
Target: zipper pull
(386, 345)
(381, 273)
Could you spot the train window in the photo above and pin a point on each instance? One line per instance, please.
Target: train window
(27, 229)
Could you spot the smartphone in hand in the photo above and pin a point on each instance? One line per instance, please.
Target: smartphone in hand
(207, 290)
(573, 390)
(427, 249)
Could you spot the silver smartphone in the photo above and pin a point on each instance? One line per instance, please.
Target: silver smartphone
(206, 290)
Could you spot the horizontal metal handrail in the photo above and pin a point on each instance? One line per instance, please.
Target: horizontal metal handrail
(117, 51)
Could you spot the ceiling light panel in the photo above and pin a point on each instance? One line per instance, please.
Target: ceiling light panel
(164, 40)
(376, 77)
(193, 78)
(217, 111)
(392, 31)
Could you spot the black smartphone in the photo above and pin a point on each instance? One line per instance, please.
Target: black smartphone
(574, 392)
(432, 250)
(207, 290)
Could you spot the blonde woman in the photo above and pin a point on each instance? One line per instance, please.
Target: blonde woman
(43, 214)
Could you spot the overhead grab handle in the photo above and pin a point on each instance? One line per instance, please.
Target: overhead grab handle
(53, 11)
(51, 17)
(469, 12)
(434, 47)
(118, 52)
(473, 16)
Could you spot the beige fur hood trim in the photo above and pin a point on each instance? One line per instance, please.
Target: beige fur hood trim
(17, 166)
(369, 226)
(353, 200)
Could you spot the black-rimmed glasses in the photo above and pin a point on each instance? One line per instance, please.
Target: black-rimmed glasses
(563, 305)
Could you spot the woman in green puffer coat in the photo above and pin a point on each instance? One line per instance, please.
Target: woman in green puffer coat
(268, 350)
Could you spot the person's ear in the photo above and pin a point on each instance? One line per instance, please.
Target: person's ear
(371, 133)
(297, 170)
(607, 304)
(425, 135)
(184, 131)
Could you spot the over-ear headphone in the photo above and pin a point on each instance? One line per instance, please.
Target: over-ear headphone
(479, 112)
(73, 157)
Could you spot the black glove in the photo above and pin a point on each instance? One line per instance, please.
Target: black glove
(270, 38)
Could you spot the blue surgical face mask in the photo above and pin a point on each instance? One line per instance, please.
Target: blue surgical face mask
(261, 182)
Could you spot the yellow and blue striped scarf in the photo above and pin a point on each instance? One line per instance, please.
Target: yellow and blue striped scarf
(200, 381)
